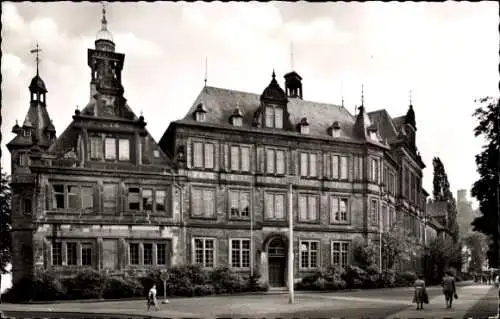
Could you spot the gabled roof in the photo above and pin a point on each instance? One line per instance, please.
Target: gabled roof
(220, 104)
(384, 123)
(38, 119)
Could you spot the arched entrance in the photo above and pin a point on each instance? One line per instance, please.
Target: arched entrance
(276, 256)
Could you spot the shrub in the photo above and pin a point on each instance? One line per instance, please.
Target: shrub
(204, 290)
(43, 286)
(226, 281)
(122, 288)
(406, 278)
(87, 284)
(254, 283)
(388, 278)
(354, 276)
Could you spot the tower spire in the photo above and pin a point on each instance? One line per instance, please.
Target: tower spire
(291, 55)
(104, 22)
(342, 91)
(37, 58)
(206, 71)
(362, 95)
(410, 98)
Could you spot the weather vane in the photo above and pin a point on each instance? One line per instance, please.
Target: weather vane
(410, 98)
(362, 95)
(36, 51)
(104, 21)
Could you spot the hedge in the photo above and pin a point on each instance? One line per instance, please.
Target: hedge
(183, 281)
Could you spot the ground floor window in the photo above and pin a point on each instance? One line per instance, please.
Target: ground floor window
(309, 254)
(340, 253)
(204, 252)
(72, 253)
(240, 253)
(149, 253)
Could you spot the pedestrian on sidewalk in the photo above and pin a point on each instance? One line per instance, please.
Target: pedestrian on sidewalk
(449, 289)
(152, 298)
(420, 296)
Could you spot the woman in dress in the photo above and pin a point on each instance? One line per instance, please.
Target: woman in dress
(420, 296)
(152, 298)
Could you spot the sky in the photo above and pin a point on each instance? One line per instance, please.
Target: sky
(445, 53)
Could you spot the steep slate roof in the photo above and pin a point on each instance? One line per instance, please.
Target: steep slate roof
(221, 103)
(384, 123)
(38, 119)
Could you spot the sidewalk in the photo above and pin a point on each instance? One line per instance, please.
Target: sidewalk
(467, 298)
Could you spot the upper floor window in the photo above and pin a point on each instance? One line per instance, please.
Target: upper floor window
(124, 149)
(339, 208)
(27, 132)
(275, 161)
(112, 147)
(27, 206)
(340, 253)
(57, 259)
(239, 203)
(239, 251)
(23, 160)
(240, 158)
(391, 182)
(204, 252)
(274, 206)
(109, 195)
(203, 202)
(309, 254)
(72, 197)
(358, 167)
(308, 164)
(237, 121)
(203, 155)
(339, 167)
(374, 211)
(200, 113)
(374, 170)
(146, 199)
(308, 208)
(274, 117)
(406, 181)
(96, 147)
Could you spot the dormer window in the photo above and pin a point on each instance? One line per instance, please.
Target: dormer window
(200, 113)
(304, 126)
(334, 130)
(156, 154)
(372, 133)
(236, 119)
(27, 132)
(274, 116)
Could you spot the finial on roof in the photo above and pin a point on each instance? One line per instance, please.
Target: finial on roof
(37, 58)
(141, 113)
(16, 122)
(342, 91)
(410, 99)
(274, 74)
(104, 22)
(77, 107)
(206, 71)
(362, 95)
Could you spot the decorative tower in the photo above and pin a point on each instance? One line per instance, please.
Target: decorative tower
(106, 66)
(410, 126)
(293, 81)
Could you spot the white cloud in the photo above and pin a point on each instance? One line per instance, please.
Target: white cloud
(11, 19)
(12, 66)
(133, 45)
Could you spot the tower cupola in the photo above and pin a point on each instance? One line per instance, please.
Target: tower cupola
(37, 87)
(104, 38)
(293, 85)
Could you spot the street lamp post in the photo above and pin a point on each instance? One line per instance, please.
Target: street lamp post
(383, 197)
(290, 246)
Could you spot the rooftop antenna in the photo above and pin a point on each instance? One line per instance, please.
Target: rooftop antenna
(362, 95)
(410, 98)
(342, 91)
(206, 71)
(104, 22)
(37, 58)
(291, 55)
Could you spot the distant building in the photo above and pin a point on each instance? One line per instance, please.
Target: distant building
(465, 212)
(214, 190)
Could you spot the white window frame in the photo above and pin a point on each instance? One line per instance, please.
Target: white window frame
(237, 160)
(122, 145)
(207, 157)
(308, 164)
(358, 167)
(275, 162)
(314, 213)
(204, 249)
(241, 240)
(110, 144)
(267, 215)
(318, 254)
(203, 214)
(96, 151)
(275, 115)
(238, 193)
(338, 199)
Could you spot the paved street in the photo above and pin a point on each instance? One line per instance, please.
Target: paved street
(478, 301)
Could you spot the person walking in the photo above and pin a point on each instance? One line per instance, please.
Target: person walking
(152, 298)
(420, 295)
(449, 289)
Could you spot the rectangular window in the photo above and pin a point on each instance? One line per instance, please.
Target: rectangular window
(358, 168)
(239, 202)
(309, 254)
(343, 168)
(71, 254)
(308, 165)
(109, 196)
(340, 253)
(148, 253)
(209, 155)
(57, 254)
(335, 166)
(308, 207)
(338, 209)
(373, 170)
(27, 206)
(96, 147)
(240, 253)
(58, 201)
(270, 157)
(198, 155)
(374, 212)
(269, 117)
(87, 197)
(147, 199)
(280, 162)
(275, 206)
(110, 148)
(245, 159)
(204, 252)
(278, 117)
(203, 202)
(385, 217)
(312, 165)
(235, 158)
(124, 150)
(303, 164)
(406, 182)
(134, 253)
(73, 197)
(161, 254)
(160, 197)
(133, 198)
(86, 254)
(392, 216)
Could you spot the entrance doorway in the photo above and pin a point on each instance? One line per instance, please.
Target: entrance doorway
(277, 262)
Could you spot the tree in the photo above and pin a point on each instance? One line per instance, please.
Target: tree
(442, 193)
(477, 244)
(363, 253)
(486, 188)
(396, 246)
(5, 210)
(442, 254)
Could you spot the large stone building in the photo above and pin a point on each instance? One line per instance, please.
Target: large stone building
(215, 189)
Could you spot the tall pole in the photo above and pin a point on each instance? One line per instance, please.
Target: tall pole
(290, 246)
(251, 233)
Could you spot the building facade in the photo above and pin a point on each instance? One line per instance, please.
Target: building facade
(219, 187)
